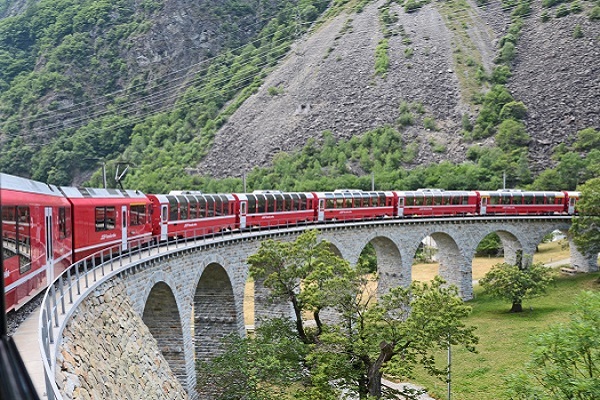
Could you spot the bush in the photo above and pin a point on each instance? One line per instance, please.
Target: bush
(514, 110)
(429, 123)
(507, 53)
(576, 7)
(562, 11)
(501, 74)
(578, 33)
(511, 134)
(595, 13)
(406, 119)
(545, 16)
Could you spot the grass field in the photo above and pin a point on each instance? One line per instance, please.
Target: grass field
(504, 339)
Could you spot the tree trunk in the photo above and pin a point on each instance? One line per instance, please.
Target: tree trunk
(516, 307)
(374, 374)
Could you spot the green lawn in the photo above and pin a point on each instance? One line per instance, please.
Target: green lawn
(504, 339)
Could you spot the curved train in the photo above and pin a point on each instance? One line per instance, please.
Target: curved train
(46, 228)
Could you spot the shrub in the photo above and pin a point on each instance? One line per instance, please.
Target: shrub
(595, 13)
(406, 119)
(562, 11)
(408, 52)
(545, 16)
(429, 123)
(501, 74)
(507, 53)
(412, 5)
(578, 33)
(511, 134)
(588, 139)
(576, 7)
(514, 110)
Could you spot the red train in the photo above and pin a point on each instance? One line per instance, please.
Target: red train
(46, 228)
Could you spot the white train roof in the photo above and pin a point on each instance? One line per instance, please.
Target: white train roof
(73, 192)
(17, 183)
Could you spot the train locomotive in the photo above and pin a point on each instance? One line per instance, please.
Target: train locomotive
(46, 228)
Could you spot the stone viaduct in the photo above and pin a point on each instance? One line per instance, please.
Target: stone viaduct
(150, 320)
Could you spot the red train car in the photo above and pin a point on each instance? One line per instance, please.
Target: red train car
(36, 236)
(347, 205)
(517, 202)
(436, 202)
(274, 208)
(188, 214)
(107, 217)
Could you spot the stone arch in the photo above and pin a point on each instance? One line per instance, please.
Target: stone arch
(161, 316)
(389, 264)
(215, 313)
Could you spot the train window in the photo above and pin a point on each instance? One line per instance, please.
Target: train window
(507, 199)
(270, 203)
(465, 200)
(528, 199)
(539, 199)
(193, 207)
(550, 199)
(201, 207)
(279, 203)
(261, 204)
(428, 200)
(225, 205)
(302, 202)
(409, 200)
(419, 201)
(437, 200)
(105, 218)
(218, 206)
(517, 199)
(251, 204)
(183, 207)
(494, 199)
(210, 206)
(8, 232)
(173, 207)
(288, 202)
(339, 203)
(329, 203)
(62, 222)
(137, 215)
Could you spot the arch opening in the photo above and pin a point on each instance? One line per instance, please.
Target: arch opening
(162, 318)
(215, 315)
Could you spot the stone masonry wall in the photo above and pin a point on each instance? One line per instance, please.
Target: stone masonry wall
(107, 352)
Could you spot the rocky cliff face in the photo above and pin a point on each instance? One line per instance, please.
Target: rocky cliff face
(328, 82)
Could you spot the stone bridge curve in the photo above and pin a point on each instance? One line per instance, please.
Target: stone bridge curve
(191, 296)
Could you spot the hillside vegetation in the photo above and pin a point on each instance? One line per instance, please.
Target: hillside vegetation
(301, 95)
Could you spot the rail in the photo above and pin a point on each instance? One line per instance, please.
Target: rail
(72, 286)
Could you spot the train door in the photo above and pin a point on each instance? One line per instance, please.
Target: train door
(49, 245)
(572, 201)
(243, 213)
(400, 207)
(483, 206)
(124, 228)
(321, 213)
(164, 221)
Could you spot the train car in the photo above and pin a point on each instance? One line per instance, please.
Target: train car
(36, 237)
(436, 203)
(106, 218)
(184, 214)
(517, 202)
(265, 208)
(352, 205)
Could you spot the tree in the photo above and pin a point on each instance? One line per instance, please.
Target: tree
(516, 283)
(299, 272)
(565, 364)
(586, 226)
(404, 328)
